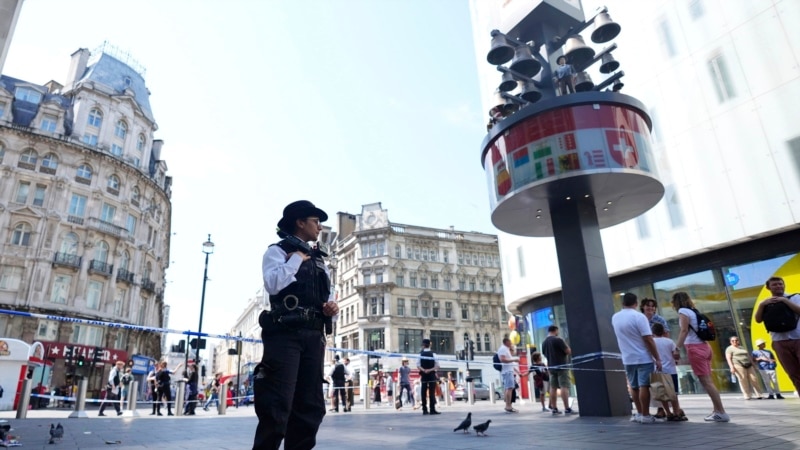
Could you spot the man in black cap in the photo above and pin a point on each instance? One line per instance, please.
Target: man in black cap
(288, 382)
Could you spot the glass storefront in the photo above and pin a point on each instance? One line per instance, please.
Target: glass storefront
(727, 294)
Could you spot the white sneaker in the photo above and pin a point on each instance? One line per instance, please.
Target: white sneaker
(718, 417)
(647, 420)
(636, 418)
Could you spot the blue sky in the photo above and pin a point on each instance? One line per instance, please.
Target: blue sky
(261, 103)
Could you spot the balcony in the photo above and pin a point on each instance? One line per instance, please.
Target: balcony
(100, 267)
(67, 260)
(107, 227)
(148, 285)
(125, 276)
(75, 219)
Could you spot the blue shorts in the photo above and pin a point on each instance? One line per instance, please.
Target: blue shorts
(508, 380)
(639, 374)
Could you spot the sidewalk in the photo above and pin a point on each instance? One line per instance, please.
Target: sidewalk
(755, 424)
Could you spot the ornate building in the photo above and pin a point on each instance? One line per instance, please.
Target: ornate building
(84, 211)
(398, 284)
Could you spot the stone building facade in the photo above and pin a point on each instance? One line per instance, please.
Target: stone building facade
(84, 212)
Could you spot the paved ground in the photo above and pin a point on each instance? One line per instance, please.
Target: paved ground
(767, 424)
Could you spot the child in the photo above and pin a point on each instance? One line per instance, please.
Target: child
(541, 379)
(668, 353)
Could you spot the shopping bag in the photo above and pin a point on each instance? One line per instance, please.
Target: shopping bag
(661, 387)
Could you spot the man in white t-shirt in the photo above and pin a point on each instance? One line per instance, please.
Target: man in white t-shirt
(638, 353)
(786, 344)
(507, 373)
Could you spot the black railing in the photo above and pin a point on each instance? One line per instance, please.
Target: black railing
(124, 275)
(148, 285)
(67, 259)
(100, 267)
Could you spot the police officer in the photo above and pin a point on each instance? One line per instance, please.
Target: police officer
(288, 382)
(428, 366)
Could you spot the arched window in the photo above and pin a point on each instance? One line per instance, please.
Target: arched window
(113, 182)
(50, 161)
(135, 195)
(121, 129)
(84, 171)
(125, 260)
(147, 269)
(140, 141)
(69, 244)
(101, 252)
(29, 156)
(21, 235)
(95, 118)
(487, 343)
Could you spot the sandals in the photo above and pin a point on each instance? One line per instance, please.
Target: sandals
(512, 410)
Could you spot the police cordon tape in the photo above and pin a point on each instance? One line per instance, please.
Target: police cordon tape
(138, 402)
(579, 359)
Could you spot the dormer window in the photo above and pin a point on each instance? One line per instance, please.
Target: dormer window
(95, 118)
(121, 130)
(28, 95)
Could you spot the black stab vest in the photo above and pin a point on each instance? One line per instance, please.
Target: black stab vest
(312, 288)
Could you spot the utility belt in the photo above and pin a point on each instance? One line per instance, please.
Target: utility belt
(288, 315)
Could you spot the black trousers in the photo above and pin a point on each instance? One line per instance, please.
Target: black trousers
(428, 394)
(109, 396)
(287, 387)
(340, 393)
(409, 393)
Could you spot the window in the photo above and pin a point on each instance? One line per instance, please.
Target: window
(60, 289)
(2, 148)
(113, 183)
(424, 254)
(448, 310)
(447, 285)
(476, 312)
(84, 171)
(397, 251)
(465, 312)
(373, 306)
(381, 248)
(21, 235)
(49, 123)
(47, 330)
(140, 142)
(472, 284)
(492, 286)
(414, 307)
(485, 311)
(462, 285)
(124, 260)
(446, 256)
(442, 342)
(435, 309)
(22, 192)
(482, 286)
(401, 307)
(696, 9)
(93, 292)
(487, 343)
(95, 118)
(423, 282)
(38, 195)
(69, 244)
(478, 345)
(90, 139)
(50, 161)
(434, 282)
(135, 195)
(375, 339)
(410, 340)
(29, 158)
(28, 95)
(379, 278)
(87, 335)
(434, 255)
(107, 213)
(412, 279)
(3, 107)
(426, 308)
(10, 277)
(101, 252)
(373, 249)
(400, 280)
(367, 278)
(131, 224)
(121, 130)
(77, 206)
(116, 149)
(720, 78)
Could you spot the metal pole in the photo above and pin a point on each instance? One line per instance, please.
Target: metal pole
(132, 396)
(492, 394)
(80, 402)
(24, 399)
(180, 393)
(202, 305)
(223, 400)
(238, 371)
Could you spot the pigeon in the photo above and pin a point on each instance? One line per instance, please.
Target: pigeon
(464, 424)
(481, 428)
(56, 432)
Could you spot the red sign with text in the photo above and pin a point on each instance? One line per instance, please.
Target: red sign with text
(63, 350)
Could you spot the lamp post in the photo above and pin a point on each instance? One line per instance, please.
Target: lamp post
(208, 248)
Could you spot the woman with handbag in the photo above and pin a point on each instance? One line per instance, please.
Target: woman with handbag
(741, 363)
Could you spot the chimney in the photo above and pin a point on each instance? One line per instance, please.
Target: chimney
(77, 67)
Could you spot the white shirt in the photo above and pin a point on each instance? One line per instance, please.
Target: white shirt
(346, 371)
(505, 351)
(665, 348)
(114, 373)
(631, 326)
(691, 338)
(278, 272)
(788, 335)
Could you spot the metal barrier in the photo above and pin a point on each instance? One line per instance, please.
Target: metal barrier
(368, 396)
(180, 392)
(223, 400)
(130, 411)
(24, 399)
(80, 402)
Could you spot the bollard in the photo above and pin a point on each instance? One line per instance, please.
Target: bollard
(493, 392)
(180, 393)
(223, 400)
(130, 411)
(80, 402)
(532, 390)
(368, 395)
(24, 399)
(470, 391)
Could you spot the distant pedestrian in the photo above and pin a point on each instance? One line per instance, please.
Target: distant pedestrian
(113, 388)
(507, 373)
(699, 353)
(766, 368)
(127, 378)
(541, 378)
(338, 374)
(648, 307)
(740, 362)
(404, 375)
(191, 390)
(668, 353)
(557, 353)
(428, 366)
(786, 343)
(163, 378)
(215, 387)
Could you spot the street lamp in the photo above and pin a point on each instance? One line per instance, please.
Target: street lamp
(208, 248)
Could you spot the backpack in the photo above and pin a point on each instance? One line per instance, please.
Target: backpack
(705, 327)
(779, 317)
(498, 365)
